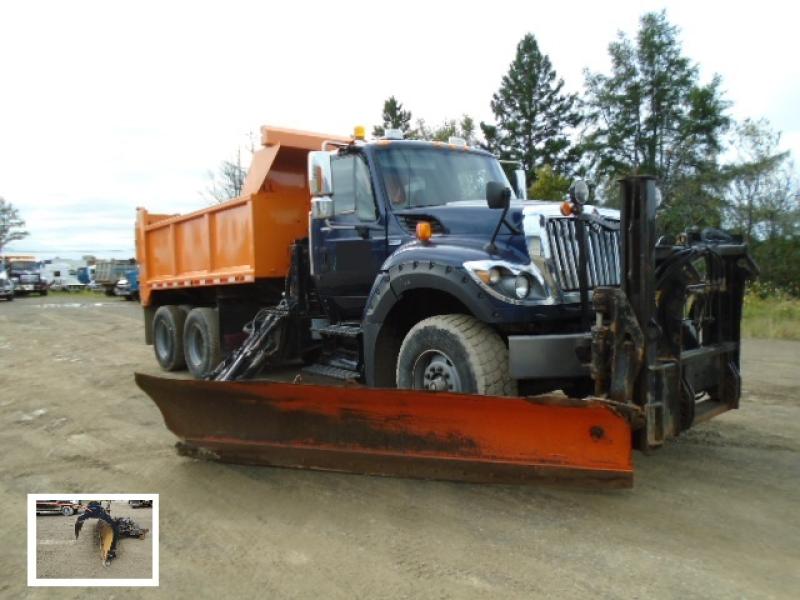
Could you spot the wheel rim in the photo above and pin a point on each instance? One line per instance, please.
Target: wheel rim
(195, 345)
(435, 371)
(163, 340)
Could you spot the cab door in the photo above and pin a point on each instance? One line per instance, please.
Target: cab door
(349, 249)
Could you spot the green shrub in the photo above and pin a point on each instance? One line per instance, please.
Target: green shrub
(770, 313)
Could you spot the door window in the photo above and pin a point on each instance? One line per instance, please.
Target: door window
(352, 188)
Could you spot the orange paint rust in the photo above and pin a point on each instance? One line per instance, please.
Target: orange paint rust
(504, 428)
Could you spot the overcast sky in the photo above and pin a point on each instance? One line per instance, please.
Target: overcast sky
(110, 105)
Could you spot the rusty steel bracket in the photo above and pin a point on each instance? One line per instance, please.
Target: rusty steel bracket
(617, 346)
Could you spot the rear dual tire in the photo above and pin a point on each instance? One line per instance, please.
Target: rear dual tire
(201, 342)
(186, 337)
(168, 325)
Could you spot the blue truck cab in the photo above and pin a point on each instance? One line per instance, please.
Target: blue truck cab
(128, 286)
(446, 292)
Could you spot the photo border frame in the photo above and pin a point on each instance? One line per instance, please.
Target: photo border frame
(34, 581)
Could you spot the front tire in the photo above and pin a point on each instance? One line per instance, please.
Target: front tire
(201, 343)
(168, 325)
(455, 353)
(67, 511)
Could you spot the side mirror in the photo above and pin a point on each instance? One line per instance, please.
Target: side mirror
(579, 192)
(320, 179)
(498, 195)
(520, 180)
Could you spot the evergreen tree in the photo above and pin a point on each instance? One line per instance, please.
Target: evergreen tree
(651, 115)
(762, 200)
(464, 129)
(549, 185)
(534, 116)
(394, 117)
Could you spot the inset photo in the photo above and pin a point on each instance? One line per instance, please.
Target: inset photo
(92, 540)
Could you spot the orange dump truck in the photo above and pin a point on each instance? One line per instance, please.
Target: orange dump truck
(188, 260)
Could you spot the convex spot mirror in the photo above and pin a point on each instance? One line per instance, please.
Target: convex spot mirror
(579, 192)
(498, 195)
(320, 178)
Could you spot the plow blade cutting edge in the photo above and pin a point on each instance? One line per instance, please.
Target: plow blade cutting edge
(460, 437)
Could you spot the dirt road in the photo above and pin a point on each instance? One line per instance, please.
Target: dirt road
(712, 515)
(60, 555)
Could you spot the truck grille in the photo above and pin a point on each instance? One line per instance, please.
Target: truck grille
(410, 223)
(603, 250)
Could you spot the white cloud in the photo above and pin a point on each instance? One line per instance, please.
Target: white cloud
(106, 106)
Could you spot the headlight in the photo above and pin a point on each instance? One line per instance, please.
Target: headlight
(513, 283)
(522, 286)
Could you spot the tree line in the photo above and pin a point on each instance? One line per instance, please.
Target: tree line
(650, 114)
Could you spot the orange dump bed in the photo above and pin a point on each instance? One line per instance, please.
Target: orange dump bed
(240, 240)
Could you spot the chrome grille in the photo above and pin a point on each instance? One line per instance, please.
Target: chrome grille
(603, 254)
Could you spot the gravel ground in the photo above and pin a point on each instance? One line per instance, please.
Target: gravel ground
(60, 555)
(712, 515)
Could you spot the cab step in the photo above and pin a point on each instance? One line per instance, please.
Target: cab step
(351, 330)
(332, 372)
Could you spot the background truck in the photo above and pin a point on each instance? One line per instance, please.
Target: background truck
(128, 286)
(6, 287)
(64, 507)
(108, 272)
(86, 274)
(24, 273)
(140, 503)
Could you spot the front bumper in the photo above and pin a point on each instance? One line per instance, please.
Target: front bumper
(546, 356)
(30, 287)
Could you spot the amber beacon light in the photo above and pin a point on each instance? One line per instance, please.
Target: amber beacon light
(424, 231)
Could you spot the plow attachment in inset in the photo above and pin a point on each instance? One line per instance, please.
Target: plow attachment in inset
(550, 438)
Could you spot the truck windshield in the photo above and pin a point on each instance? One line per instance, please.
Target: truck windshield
(20, 265)
(418, 176)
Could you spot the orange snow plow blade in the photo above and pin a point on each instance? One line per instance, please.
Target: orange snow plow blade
(405, 433)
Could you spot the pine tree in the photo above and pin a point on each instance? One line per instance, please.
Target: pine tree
(651, 115)
(762, 198)
(465, 129)
(534, 116)
(394, 117)
(549, 185)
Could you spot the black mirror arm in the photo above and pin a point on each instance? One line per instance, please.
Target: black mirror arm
(511, 228)
(491, 248)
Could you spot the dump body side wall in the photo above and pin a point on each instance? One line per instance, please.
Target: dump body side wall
(232, 243)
